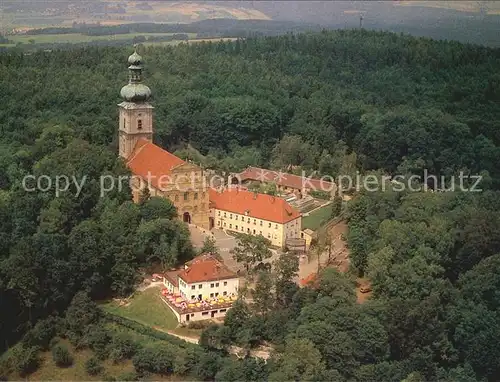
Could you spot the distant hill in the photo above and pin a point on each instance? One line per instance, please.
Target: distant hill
(465, 21)
(37, 13)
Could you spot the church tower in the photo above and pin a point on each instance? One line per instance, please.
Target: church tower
(136, 113)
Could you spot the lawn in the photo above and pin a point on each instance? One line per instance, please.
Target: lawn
(146, 308)
(78, 37)
(317, 218)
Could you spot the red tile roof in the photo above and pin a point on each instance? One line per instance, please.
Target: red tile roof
(205, 268)
(173, 277)
(260, 206)
(285, 180)
(148, 159)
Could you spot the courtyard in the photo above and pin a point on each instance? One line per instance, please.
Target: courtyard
(224, 241)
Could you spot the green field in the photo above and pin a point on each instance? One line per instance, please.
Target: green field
(317, 218)
(74, 38)
(146, 308)
(177, 42)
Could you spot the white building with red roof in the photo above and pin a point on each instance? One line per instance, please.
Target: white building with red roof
(205, 288)
(300, 185)
(255, 214)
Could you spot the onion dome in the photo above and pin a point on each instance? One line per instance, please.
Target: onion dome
(135, 59)
(135, 91)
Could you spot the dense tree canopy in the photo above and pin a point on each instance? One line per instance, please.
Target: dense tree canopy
(334, 102)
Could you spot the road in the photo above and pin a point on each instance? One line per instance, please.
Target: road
(339, 254)
(261, 352)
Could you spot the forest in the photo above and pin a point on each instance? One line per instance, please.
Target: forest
(334, 102)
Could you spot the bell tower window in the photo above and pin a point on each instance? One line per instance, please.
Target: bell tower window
(139, 124)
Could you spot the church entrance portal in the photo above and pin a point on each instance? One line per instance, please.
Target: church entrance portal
(211, 222)
(186, 217)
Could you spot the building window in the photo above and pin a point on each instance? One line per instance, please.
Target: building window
(186, 196)
(176, 198)
(217, 285)
(224, 214)
(248, 220)
(218, 222)
(192, 297)
(268, 235)
(260, 232)
(261, 223)
(139, 124)
(254, 232)
(225, 283)
(218, 213)
(200, 286)
(241, 229)
(211, 295)
(217, 294)
(254, 221)
(193, 287)
(224, 224)
(204, 313)
(276, 226)
(236, 217)
(269, 225)
(230, 216)
(236, 228)
(211, 285)
(222, 311)
(124, 122)
(248, 230)
(196, 196)
(224, 293)
(230, 226)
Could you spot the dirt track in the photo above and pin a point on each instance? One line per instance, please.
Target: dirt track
(339, 256)
(261, 352)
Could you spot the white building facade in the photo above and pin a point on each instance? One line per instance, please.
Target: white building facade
(204, 289)
(255, 214)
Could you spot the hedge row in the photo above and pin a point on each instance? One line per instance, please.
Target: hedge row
(145, 330)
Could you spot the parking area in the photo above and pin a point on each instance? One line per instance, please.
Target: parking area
(224, 241)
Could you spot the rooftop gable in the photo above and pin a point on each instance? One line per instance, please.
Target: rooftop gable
(286, 180)
(205, 268)
(152, 162)
(254, 205)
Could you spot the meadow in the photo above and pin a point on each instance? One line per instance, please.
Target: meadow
(146, 308)
(76, 38)
(79, 38)
(317, 218)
